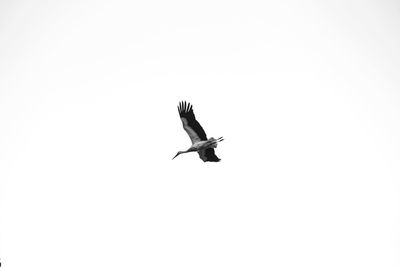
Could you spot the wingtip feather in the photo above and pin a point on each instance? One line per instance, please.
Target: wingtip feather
(185, 107)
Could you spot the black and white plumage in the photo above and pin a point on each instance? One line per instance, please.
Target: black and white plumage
(200, 142)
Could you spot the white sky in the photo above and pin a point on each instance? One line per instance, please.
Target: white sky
(306, 95)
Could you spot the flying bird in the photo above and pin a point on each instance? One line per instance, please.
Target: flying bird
(200, 143)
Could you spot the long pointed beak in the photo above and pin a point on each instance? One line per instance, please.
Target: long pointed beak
(175, 155)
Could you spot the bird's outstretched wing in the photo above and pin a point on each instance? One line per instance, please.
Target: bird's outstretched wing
(190, 124)
(208, 155)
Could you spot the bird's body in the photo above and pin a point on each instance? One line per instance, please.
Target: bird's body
(200, 142)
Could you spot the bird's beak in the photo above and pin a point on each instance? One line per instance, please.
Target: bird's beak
(176, 155)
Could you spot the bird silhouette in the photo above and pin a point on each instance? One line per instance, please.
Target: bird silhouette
(200, 142)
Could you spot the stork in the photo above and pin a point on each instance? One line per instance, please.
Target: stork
(200, 143)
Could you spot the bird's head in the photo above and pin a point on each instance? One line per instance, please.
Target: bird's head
(177, 154)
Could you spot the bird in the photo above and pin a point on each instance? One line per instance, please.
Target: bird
(200, 143)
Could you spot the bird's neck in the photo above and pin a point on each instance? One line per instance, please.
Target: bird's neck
(191, 149)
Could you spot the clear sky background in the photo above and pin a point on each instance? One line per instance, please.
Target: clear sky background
(306, 94)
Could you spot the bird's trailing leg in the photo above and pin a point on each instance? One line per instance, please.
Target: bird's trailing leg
(213, 143)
